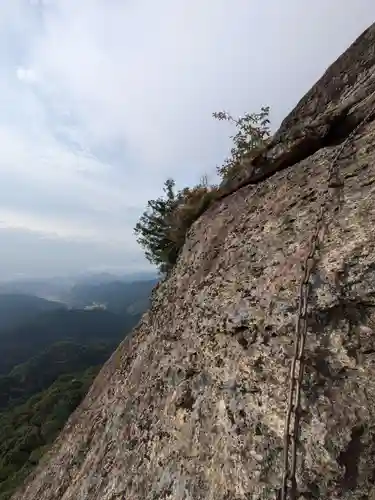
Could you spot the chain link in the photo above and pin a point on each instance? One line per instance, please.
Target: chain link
(297, 367)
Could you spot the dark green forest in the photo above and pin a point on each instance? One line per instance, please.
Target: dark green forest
(49, 355)
(29, 429)
(19, 344)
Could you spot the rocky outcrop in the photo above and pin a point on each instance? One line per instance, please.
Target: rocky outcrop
(192, 406)
(324, 117)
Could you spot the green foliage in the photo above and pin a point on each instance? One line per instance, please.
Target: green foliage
(42, 370)
(28, 430)
(252, 134)
(153, 228)
(37, 398)
(162, 228)
(47, 364)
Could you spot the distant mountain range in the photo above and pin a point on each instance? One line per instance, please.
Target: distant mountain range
(56, 288)
(116, 296)
(18, 308)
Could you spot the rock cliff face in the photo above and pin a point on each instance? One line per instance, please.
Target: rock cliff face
(192, 406)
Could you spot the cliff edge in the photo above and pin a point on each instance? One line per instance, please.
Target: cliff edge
(193, 405)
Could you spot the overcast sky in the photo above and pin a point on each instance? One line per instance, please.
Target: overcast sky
(102, 100)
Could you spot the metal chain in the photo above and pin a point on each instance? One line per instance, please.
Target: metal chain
(297, 366)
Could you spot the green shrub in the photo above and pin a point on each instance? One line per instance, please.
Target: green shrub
(252, 134)
(23, 443)
(162, 228)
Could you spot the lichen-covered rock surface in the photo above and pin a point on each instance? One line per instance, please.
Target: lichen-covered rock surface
(192, 406)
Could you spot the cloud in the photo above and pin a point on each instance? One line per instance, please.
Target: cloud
(26, 75)
(102, 100)
(35, 255)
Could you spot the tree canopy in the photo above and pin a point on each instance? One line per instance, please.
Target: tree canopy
(162, 228)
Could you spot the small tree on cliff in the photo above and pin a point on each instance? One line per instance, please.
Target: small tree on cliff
(253, 131)
(153, 227)
(162, 228)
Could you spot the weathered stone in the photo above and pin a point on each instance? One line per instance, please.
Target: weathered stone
(192, 406)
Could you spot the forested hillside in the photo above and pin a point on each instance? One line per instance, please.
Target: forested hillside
(25, 341)
(49, 355)
(17, 309)
(42, 370)
(28, 430)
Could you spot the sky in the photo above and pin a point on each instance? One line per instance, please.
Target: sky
(102, 100)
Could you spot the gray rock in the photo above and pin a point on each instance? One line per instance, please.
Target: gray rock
(192, 406)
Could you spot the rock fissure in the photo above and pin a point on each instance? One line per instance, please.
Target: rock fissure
(349, 458)
(335, 131)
